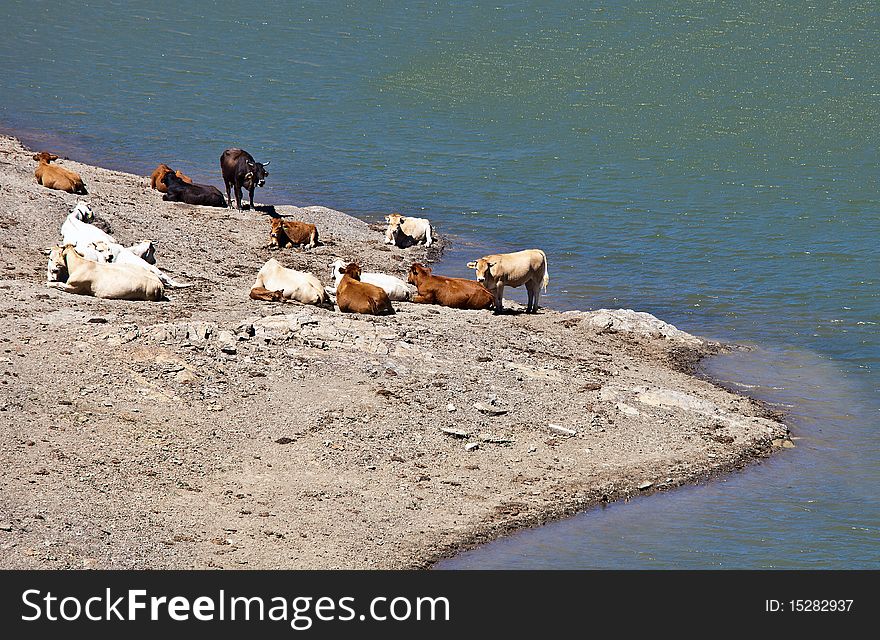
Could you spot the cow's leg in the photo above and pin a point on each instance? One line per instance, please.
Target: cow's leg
(532, 306)
(238, 195)
(228, 194)
(251, 194)
(499, 299)
(60, 285)
(536, 285)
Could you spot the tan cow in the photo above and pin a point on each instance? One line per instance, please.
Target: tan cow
(293, 285)
(157, 179)
(55, 177)
(104, 280)
(288, 233)
(501, 270)
(406, 231)
(354, 296)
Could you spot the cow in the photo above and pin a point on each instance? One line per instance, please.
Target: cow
(457, 293)
(292, 285)
(76, 231)
(157, 178)
(395, 288)
(241, 170)
(145, 250)
(501, 270)
(111, 281)
(55, 177)
(179, 191)
(354, 296)
(117, 254)
(406, 231)
(288, 233)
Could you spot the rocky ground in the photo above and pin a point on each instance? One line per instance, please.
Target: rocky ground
(216, 431)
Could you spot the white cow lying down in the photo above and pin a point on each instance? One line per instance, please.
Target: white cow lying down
(275, 283)
(77, 231)
(94, 244)
(117, 254)
(404, 231)
(396, 288)
(112, 281)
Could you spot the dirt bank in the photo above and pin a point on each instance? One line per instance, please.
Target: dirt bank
(216, 431)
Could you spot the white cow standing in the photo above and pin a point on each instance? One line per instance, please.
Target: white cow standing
(501, 270)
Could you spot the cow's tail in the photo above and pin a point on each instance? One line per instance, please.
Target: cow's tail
(546, 280)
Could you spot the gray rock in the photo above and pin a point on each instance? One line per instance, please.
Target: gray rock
(563, 431)
(489, 411)
(458, 433)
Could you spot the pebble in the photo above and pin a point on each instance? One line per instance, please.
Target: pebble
(450, 407)
(471, 446)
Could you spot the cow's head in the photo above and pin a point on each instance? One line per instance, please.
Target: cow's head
(256, 174)
(352, 270)
(45, 156)
(83, 212)
(337, 269)
(394, 230)
(56, 270)
(277, 229)
(146, 250)
(483, 268)
(417, 271)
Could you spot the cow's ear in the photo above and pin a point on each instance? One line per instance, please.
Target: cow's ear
(250, 164)
(471, 265)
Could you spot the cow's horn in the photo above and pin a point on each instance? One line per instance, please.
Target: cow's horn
(266, 164)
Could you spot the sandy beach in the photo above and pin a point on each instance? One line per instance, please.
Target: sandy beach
(215, 431)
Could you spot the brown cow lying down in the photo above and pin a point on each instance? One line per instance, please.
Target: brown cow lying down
(288, 233)
(457, 293)
(157, 180)
(55, 177)
(354, 296)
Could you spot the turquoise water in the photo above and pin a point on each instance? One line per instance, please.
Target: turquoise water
(714, 163)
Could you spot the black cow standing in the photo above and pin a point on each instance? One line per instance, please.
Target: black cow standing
(241, 170)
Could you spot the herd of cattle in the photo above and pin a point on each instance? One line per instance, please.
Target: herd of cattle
(91, 262)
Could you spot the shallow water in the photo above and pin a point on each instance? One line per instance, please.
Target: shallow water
(715, 164)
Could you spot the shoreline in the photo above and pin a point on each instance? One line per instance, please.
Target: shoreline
(189, 424)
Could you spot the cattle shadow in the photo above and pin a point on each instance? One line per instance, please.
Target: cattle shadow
(268, 209)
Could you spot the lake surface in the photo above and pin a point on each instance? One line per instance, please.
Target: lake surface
(713, 163)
